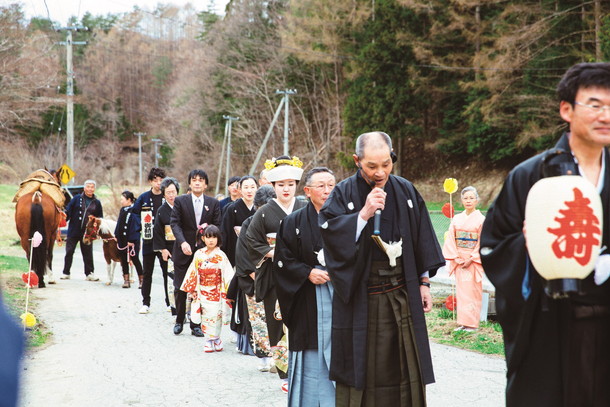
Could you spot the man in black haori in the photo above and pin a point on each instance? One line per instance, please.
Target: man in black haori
(380, 350)
(557, 350)
(304, 292)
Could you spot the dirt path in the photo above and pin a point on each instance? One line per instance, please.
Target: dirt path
(103, 353)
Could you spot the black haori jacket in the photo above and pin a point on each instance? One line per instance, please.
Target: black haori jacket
(534, 326)
(298, 242)
(349, 262)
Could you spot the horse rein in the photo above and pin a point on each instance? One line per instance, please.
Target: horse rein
(130, 252)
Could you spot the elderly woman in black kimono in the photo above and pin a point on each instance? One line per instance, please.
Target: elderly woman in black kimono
(163, 238)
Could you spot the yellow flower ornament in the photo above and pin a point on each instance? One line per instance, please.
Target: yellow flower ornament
(450, 185)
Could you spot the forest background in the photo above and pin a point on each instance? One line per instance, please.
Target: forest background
(465, 88)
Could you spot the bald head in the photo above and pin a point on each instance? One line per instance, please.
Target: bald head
(374, 140)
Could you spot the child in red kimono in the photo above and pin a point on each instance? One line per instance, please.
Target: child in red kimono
(207, 280)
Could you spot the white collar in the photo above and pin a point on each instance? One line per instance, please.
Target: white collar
(287, 210)
(602, 172)
(248, 206)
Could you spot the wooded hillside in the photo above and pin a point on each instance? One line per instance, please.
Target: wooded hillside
(456, 83)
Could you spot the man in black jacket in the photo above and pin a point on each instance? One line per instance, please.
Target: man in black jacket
(146, 206)
(77, 214)
(557, 351)
(189, 213)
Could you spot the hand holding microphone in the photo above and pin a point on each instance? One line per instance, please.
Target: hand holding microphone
(375, 202)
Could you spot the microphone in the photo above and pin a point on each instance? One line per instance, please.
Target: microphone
(377, 223)
(377, 219)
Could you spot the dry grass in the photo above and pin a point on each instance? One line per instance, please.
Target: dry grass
(9, 239)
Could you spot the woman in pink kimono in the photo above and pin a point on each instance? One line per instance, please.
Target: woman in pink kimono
(461, 250)
(207, 280)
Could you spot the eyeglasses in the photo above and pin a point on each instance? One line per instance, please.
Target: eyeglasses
(322, 187)
(596, 108)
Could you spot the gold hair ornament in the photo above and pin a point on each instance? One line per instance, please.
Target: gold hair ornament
(295, 162)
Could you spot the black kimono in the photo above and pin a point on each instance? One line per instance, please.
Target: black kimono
(243, 264)
(298, 241)
(348, 263)
(234, 214)
(242, 285)
(541, 335)
(163, 238)
(162, 229)
(267, 220)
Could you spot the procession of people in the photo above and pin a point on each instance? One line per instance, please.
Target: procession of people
(330, 290)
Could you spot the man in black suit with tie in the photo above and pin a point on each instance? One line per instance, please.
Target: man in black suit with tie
(190, 211)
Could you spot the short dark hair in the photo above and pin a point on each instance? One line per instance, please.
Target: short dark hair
(233, 179)
(156, 172)
(198, 173)
(167, 181)
(314, 171)
(247, 177)
(263, 195)
(209, 231)
(129, 195)
(582, 76)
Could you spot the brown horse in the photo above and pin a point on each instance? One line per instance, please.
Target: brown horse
(37, 212)
(99, 228)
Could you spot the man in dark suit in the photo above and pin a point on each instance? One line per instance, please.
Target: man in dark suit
(190, 211)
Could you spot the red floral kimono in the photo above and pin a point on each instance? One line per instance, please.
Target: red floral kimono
(209, 296)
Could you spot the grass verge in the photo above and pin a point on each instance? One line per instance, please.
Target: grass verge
(487, 339)
(14, 295)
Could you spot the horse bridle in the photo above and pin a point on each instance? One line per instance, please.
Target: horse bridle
(93, 234)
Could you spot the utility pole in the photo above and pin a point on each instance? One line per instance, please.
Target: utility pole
(286, 93)
(157, 142)
(140, 135)
(228, 127)
(222, 154)
(70, 91)
(269, 131)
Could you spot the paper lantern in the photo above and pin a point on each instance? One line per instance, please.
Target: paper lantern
(450, 185)
(451, 303)
(563, 226)
(28, 319)
(32, 276)
(448, 210)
